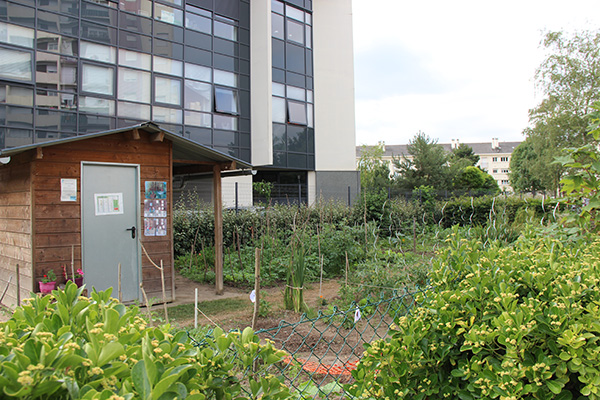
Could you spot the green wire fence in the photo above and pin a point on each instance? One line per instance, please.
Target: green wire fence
(323, 351)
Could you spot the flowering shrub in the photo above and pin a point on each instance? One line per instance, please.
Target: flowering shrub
(65, 345)
(516, 322)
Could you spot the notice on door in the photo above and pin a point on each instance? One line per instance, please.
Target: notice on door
(108, 203)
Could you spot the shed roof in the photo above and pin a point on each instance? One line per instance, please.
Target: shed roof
(184, 150)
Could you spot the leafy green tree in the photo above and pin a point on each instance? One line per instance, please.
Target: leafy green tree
(582, 181)
(522, 166)
(473, 178)
(569, 78)
(463, 154)
(426, 165)
(374, 170)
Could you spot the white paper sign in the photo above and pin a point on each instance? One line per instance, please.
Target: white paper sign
(68, 190)
(108, 203)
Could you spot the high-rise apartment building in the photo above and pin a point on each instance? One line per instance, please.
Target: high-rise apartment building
(266, 81)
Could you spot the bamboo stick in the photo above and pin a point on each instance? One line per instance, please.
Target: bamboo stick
(120, 292)
(164, 294)
(256, 286)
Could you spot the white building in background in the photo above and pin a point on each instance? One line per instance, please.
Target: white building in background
(494, 157)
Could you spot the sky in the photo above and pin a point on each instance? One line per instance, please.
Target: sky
(461, 69)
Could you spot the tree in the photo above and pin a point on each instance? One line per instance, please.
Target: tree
(374, 171)
(522, 167)
(426, 167)
(569, 78)
(464, 154)
(473, 178)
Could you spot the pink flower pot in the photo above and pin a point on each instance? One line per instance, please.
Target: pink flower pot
(47, 287)
(78, 281)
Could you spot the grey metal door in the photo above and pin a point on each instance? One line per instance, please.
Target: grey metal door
(109, 227)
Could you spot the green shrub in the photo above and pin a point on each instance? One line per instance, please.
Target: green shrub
(518, 322)
(65, 346)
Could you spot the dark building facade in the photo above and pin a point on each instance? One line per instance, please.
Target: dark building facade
(70, 67)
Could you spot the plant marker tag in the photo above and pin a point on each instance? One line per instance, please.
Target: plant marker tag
(357, 315)
(253, 296)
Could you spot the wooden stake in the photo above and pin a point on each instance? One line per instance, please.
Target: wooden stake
(256, 286)
(147, 305)
(73, 262)
(347, 268)
(6, 288)
(196, 308)
(120, 292)
(164, 293)
(18, 287)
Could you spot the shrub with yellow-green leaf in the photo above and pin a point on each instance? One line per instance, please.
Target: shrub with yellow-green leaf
(518, 322)
(66, 346)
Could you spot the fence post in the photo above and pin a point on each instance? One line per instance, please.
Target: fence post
(349, 204)
(236, 198)
(256, 286)
(18, 287)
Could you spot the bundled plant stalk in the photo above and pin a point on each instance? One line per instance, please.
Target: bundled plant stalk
(294, 290)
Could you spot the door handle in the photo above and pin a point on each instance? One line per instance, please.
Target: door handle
(132, 229)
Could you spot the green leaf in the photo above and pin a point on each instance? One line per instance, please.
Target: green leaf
(555, 386)
(109, 352)
(140, 380)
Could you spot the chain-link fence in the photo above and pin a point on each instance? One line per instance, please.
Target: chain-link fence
(323, 351)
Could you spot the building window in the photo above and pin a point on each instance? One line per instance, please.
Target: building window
(297, 113)
(15, 64)
(168, 115)
(134, 110)
(494, 171)
(198, 96)
(278, 110)
(505, 171)
(96, 105)
(167, 90)
(494, 159)
(98, 79)
(134, 59)
(225, 78)
(198, 72)
(504, 159)
(198, 119)
(505, 182)
(168, 14)
(225, 30)
(167, 66)
(134, 85)
(98, 52)
(226, 101)
(17, 35)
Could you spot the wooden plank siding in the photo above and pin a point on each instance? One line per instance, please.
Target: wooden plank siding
(57, 224)
(15, 229)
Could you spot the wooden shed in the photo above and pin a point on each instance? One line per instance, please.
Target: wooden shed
(98, 201)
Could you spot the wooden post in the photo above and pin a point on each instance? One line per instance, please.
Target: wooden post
(414, 234)
(73, 262)
(120, 292)
(256, 286)
(218, 207)
(164, 293)
(18, 287)
(148, 310)
(196, 308)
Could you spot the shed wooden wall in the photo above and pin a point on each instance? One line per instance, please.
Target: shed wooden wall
(57, 224)
(15, 229)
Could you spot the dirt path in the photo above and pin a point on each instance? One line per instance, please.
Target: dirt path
(243, 317)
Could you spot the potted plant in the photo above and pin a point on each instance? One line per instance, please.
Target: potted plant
(77, 277)
(48, 282)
